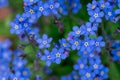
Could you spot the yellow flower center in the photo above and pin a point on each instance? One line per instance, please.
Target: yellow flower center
(31, 11)
(58, 55)
(76, 43)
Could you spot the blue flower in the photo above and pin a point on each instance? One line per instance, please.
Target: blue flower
(15, 28)
(99, 43)
(30, 2)
(5, 44)
(48, 57)
(92, 6)
(19, 63)
(116, 54)
(3, 3)
(96, 15)
(90, 29)
(102, 4)
(44, 42)
(53, 6)
(103, 73)
(64, 44)
(78, 31)
(116, 45)
(87, 74)
(87, 45)
(63, 9)
(58, 55)
(25, 73)
(81, 65)
(75, 44)
(109, 14)
(74, 5)
(31, 12)
(86, 54)
(6, 55)
(4, 68)
(72, 76)
(95, 64)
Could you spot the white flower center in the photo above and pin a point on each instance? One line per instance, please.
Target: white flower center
(48, 57)
(109, 14)
(88, 75)
(76, 43)
(19, 64)
(31, 11)
(81, 65)
(88, 29)
(41, 9)
(45, 42)
(64, 44)
(95, 66)
(96, 15)
(51, 6)
(16, 27)
(78, 32)
(86, 44)
(93, 6)
(21, 19)
(15, 78)
(97, 43)
(58, 54)
(103, 5)
(102, 73)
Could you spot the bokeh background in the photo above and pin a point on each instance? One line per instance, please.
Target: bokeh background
(47, 25)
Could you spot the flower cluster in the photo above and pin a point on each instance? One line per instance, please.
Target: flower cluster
(3, 3)
(12, 68)
(34, 9)
(98, 9)
(89, 66)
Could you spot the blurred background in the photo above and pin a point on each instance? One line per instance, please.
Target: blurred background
(47, 25)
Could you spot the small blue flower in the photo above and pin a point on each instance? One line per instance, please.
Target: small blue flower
(92, 6)
(25, 73)
(64, 44)
(6, 55)
(31, 12)
(58, 55)
(96, 15)
(116, 54)
(99, 43)
(19, 63)
(87, 45)
(78, 31)
(3, 3)
(90, 29)
(74, 5)
(30, 2)
(4, 68)
(102, 4)
(109, 14)
(48, 57)
(15, 28)
(44, 42)
(103, 73)
(95, 64)
(81, 65)
(87, 74)
(75, 44)
(63, 9)
(116, 45)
